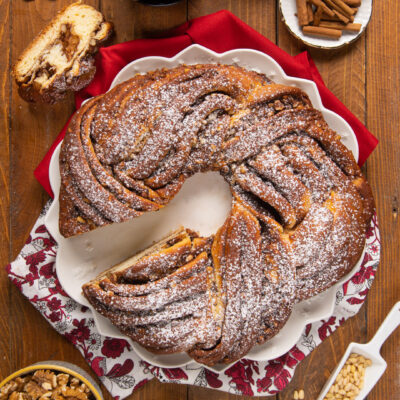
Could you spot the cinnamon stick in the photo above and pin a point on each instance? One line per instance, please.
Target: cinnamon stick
(317, 16)
(353, 27)
(342, 17)
(332, 25)
(326, 9)
(326, 17)
(339, 25)
(302, 13)
(334, 7)
(353, 3)
(346, 9)
(322, 32)
(310, 13)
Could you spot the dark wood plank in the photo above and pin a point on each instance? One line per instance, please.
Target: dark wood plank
(5, 239)
(201, 393)
(160, 391)
(133, 20)
(259, 14)
(34, 127)
(383, 119)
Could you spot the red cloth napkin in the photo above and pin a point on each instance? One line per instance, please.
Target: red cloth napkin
(220, 32)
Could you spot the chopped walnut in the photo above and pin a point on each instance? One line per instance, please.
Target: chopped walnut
(21, 381)
(74, 382)
(8, 388)
(34, 390)
(278, 105)
(45, 385)
(62, 379)
(74, 393)
(45, 378)
(56, 394)
(19, 396)
(84, 388)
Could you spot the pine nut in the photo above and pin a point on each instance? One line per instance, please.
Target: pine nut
(349, 380)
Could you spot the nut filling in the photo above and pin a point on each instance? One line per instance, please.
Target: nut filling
(45, 385)
(68, 40)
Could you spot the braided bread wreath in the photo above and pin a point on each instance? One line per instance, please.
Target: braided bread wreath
(300, 205)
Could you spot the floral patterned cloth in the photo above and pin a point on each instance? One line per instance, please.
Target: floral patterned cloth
(118, 366)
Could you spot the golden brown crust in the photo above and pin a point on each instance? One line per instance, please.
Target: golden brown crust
(300, 209)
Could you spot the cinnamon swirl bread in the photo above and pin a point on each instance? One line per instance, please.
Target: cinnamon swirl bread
(300, 205)
(61, 57)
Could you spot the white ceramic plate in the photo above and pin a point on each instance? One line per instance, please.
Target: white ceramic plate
(83, 257)
(289, 10)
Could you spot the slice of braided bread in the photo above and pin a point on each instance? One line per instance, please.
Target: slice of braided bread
(61, 57)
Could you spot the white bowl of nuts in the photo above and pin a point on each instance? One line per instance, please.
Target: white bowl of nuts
(50, 380)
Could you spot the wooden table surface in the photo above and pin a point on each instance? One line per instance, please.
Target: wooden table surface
(364, 76)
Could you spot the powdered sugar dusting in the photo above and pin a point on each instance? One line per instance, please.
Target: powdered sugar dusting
(297, 223)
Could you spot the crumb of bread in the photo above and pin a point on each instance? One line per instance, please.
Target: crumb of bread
(60, 58)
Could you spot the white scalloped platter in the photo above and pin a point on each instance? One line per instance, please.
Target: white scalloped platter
(202, 204)
(288, 9)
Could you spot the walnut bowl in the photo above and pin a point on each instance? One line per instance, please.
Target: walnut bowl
(55, 378)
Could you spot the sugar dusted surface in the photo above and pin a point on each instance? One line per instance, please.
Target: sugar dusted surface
(296, 230)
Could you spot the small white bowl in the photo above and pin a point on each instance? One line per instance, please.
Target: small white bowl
(288, 10)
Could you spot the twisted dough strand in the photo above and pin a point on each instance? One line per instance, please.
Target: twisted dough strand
(299, 213)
